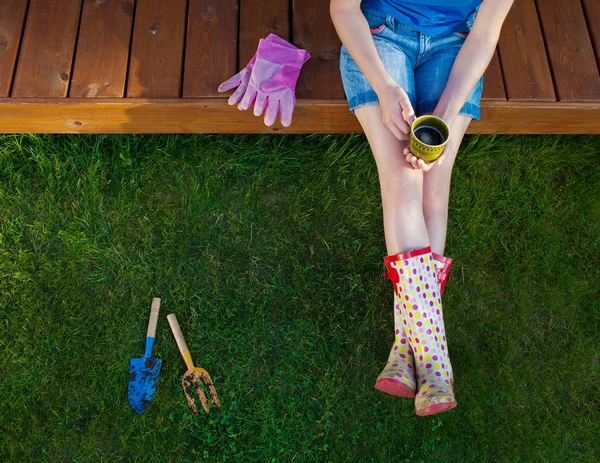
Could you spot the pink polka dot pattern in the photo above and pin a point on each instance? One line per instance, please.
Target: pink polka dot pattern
(421, 311)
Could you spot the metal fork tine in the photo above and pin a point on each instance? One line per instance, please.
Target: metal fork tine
(201, 394)
(211, 387)
(188, 394)
(196, 380)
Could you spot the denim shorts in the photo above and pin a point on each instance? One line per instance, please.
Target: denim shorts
(419, 64)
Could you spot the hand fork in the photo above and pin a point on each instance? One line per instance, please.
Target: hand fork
(194, 376)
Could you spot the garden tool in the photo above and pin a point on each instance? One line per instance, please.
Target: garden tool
(144, 371)
(194, 376)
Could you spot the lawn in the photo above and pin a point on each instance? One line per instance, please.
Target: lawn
(269, 250)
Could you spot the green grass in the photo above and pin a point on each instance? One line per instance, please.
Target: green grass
(269, 250)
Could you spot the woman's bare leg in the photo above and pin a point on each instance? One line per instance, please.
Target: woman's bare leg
(401, 186)
(436, 189)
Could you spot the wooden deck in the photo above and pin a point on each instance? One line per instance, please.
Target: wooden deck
(154, 66)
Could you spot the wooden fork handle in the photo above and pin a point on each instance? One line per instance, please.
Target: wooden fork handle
(177, 333)
(183, 348)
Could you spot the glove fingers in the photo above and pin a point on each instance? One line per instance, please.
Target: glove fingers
(230, 83)
(288, 102)
(248, 100)
(271, 114)
(237, 95)
(261, 103)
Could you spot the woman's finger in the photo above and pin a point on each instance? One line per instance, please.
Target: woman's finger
(415, 162)
(410, 118)
(425, 167)
(393, 128)
(441, 159)
(408, 112)
(401, 124)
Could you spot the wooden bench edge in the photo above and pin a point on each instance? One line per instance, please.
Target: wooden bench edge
(213, 115)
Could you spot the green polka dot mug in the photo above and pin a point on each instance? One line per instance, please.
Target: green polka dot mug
(428, 137)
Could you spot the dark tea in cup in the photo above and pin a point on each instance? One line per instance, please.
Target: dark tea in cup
(429, 135)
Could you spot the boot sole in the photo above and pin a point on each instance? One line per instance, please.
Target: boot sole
(393, 387)
(437, 408)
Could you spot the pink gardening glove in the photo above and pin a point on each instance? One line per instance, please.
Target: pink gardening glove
(273, 80)
(241, 79)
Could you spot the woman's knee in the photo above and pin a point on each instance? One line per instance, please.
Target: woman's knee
(400, 180)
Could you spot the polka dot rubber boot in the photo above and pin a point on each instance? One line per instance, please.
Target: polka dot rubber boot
(443, 265)
(421, 309)
(398, 376)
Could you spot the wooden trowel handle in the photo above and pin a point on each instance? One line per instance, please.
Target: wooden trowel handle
(177, 333)
(153, 318)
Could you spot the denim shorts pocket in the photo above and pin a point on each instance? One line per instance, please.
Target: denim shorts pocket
(377, 22)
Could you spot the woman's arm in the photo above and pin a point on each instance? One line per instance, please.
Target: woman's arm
(473, 58)
(353, 30)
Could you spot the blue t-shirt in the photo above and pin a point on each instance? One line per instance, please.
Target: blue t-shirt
(436, 18)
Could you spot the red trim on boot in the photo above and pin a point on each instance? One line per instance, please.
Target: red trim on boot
(392, 273)
(407, 255)
(443, 273)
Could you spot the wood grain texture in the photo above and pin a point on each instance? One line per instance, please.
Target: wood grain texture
(212, 115)
(12, 18)
(274, 18)
(570, 50)
(100, 66)
(155, 65)
(591, 9)
(211, 50)
(522, 51)
(493, 81)
(314, 31)
(46, 57)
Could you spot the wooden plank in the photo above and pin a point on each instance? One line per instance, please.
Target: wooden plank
(44, 66)
(493, 82)
(591, 9)
(570, 50)
(211, 46)
(212, 115)
(522, 51)
(100, 66)
(274, 17)
(314, 31)
(12, 18)
(155, 67)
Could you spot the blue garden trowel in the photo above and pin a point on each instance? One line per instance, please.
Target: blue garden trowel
(144, 371)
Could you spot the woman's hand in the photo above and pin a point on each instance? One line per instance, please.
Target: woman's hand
(424, 166)
(396, 110)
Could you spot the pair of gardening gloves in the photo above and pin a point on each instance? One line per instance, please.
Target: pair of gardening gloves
(269, 80)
